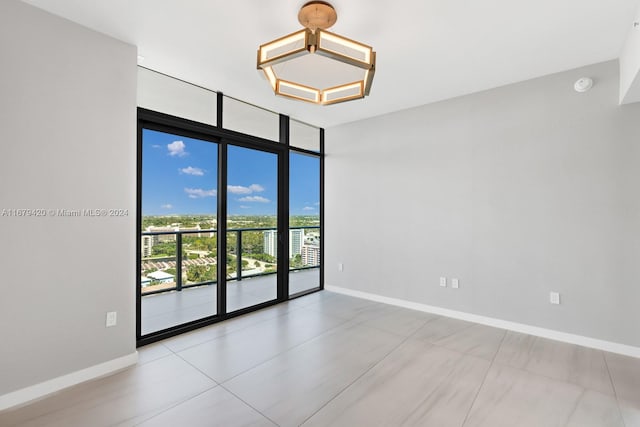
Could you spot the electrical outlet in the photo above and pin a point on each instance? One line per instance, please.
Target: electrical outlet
(112, 319)
(443, 282)
(455, 283)
(340, 266)
(554, 297)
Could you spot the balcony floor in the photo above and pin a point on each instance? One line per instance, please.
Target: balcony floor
(161, 311)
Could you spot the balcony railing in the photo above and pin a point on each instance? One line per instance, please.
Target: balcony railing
(188, 258)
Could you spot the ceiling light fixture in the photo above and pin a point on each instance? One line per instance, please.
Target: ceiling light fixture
(315, 65)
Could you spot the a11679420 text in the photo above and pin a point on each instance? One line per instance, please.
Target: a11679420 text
(62, 212)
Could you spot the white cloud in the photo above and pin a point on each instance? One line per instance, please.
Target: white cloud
(190, 170)
(176, 148)
(316, 204)
(258, 199)
(308, 208)
(240, 189)
(197, 193)
(244, 207)
(156, 146)
(167, 206)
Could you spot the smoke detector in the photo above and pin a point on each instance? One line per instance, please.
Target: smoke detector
(583, 84)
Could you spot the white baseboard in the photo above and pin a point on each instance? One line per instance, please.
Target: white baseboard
(38, 391)
(612, 347)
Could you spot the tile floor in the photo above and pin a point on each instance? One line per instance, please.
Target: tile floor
(331, 360)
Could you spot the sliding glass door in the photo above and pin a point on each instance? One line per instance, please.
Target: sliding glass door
(209, 245)
(179, 256)
(252, 227)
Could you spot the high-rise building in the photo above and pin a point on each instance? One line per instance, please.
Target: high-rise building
(311, 254)
(271, 242)
(296, 241)
(147, 246)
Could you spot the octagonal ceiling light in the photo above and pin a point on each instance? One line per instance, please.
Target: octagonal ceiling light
(315, 65)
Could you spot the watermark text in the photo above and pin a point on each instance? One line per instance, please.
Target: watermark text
(63, 212)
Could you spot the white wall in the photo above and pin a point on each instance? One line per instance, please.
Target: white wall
(516, 191)
(630, 64)
(68, 114)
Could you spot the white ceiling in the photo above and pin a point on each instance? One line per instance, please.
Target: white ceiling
(427, 50)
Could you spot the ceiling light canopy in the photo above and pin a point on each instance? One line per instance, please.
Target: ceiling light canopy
(315, 65)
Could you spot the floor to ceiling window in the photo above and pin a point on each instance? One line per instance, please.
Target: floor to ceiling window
(229, 207)
(304, 208)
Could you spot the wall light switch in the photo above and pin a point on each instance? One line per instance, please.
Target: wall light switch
(340, 266)
(455, 283)
(112, 319)
(443, 282)
(554, 297)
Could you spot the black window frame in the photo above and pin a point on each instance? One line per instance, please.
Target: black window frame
(153, 120)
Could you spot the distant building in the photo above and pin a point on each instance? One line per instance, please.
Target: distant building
(311, 254)
(271, 242)
(161, 277)
(161, 238)
(197, 227)
(296, 240)
(147, 246)
(145, 281)
(312, 238)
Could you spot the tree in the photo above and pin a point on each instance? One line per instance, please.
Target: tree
(263, 257)
(296, 261)
(164, 249)
(202, 273)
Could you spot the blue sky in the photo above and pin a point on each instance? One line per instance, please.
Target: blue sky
(179, 176)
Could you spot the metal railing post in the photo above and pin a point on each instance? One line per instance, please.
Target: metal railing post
(178, 261)
(239, 255)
